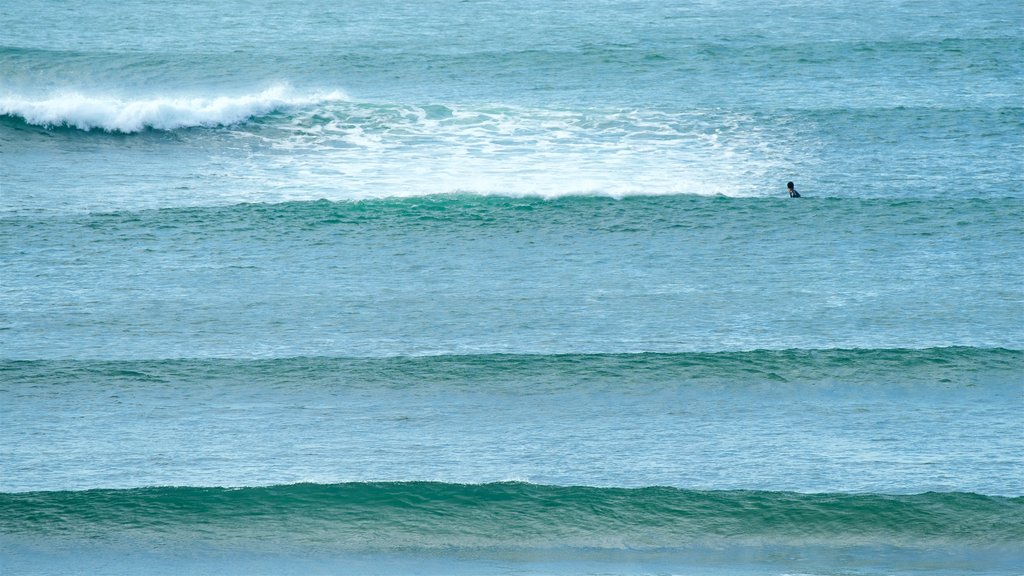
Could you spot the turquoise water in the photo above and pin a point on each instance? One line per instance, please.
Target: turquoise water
(511, 288)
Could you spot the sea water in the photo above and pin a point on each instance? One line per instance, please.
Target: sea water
(512, 287)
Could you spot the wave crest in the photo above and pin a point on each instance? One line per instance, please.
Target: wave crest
(113, 114)
(431, 515)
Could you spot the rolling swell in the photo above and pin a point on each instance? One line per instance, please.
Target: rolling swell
(596, 211)
(953, 366)
(402, 515)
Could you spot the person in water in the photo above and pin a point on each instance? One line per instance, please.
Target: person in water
(792, 191)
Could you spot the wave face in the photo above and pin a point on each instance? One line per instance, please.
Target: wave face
(359, 516)
(435, 528)
(938, 367)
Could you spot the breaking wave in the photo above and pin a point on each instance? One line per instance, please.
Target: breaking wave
(111, 113)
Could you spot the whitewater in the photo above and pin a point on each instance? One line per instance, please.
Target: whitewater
(87, 112)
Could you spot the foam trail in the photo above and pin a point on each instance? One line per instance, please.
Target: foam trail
(90, 111)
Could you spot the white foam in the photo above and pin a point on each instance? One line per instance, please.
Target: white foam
(351, 151)
(117, 114)
(326, 146)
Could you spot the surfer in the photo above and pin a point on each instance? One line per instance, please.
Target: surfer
(792, 191)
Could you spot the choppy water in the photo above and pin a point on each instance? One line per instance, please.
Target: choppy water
(479, 287)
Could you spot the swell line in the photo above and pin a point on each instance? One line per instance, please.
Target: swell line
(940, 366)
(388, 515)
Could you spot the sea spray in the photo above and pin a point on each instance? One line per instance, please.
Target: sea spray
(88, 111)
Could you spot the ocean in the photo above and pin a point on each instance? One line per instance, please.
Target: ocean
(512, 288)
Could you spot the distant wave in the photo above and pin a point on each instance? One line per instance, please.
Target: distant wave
(954, 366)
(433, 515)
(113, 114)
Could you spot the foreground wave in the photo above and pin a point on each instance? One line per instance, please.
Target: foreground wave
(396, 515)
